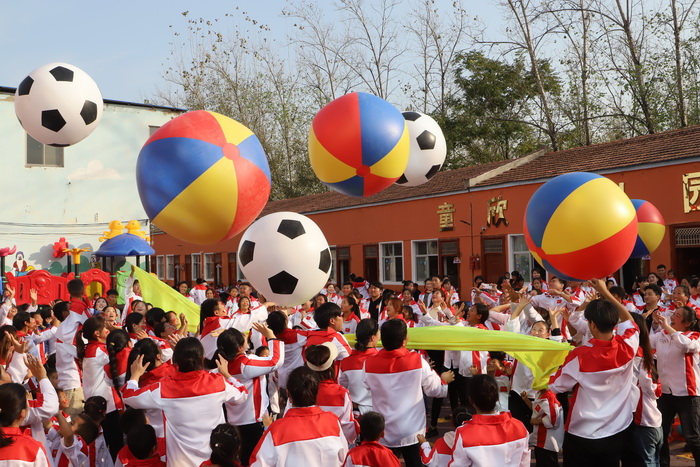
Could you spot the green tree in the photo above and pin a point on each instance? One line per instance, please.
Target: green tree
(493, 115)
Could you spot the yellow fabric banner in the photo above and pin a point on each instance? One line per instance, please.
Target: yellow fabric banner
(161, 295)
(542, 356)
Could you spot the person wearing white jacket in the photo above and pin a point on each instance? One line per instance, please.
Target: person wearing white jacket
(191, 401)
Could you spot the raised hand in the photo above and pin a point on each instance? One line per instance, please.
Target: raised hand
(35, 367)
(138, 368)
(264, 330)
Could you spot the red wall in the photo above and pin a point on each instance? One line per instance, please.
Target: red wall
(418, 220)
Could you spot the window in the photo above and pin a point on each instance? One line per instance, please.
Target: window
(152, 129)
(41, 155)
(392, 262)
(160, 267)
(170, 267)
(334, 258)
(196, 266)
(520, 258)
(240, 276)
(208, 266)
(343, 258)
(425, 259)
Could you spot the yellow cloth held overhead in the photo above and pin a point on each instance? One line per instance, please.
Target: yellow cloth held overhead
(163, 296)
(542, 356)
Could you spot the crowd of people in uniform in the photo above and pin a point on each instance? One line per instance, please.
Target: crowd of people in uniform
(93, 383)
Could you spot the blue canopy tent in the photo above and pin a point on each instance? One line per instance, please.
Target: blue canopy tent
(126, 245)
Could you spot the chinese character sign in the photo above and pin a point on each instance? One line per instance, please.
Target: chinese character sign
(445, 214)
(496, 211)
(691, 189)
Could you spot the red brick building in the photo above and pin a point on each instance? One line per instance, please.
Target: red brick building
(468, 221)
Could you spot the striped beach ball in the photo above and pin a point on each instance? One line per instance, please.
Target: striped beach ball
(580, 226)
(359, 144)
(203, 177)
(651, 228)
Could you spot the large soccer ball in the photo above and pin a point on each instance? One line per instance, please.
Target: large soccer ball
(58, 104)
(285, 256)
(428, 149)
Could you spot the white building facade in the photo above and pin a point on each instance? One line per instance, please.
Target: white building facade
(72, 192)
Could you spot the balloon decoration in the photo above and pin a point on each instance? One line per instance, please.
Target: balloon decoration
(358, 144)
(58, 104)
(285, 256)
(203, 177)
(651, 228)
(580, 226)
(59, 246)
(428, 149)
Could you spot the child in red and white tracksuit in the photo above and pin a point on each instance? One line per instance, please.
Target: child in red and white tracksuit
(548, 428)
(490, 438)
(370, 452)
(440, 454)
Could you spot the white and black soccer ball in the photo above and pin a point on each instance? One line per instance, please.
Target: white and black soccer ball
(285, 256)
(428, 149)
(58, 104)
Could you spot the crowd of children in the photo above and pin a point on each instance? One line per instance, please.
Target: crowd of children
(93, 383)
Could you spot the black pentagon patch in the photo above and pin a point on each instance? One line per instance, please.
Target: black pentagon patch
(433, 170)
(61, 73)
(52, 120)
(426, 140)
(245, 254)
(402, 179)
(324, 263)
(25, 86)
(411, 116)
(89, 112)
(283, 283)
(291, 228)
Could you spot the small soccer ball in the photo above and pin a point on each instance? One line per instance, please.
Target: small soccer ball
(428, 149)
(58, 104)
(286, 257)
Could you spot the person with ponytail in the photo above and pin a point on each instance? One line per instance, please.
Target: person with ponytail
(157, 369)
(190, 399)
(332, 397)
(677, 355)
(250, 371)
(16, 447)
(118, 349)
(96, 381)
(643, 441)
(367, 336)
(225, 443)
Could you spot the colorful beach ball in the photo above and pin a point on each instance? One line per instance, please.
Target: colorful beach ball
(203, 177)
(359, 144)
(580, 226)
(651, 228)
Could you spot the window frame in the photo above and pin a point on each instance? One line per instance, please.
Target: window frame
(60, 154)
(169, 265)
(414, 259)
(397, 271)
(196, 266)
(209, 262)
(511, 257)
(160, 267)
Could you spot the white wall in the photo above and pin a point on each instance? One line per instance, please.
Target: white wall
(96, 185)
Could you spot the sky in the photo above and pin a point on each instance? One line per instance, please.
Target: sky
(124, 45)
